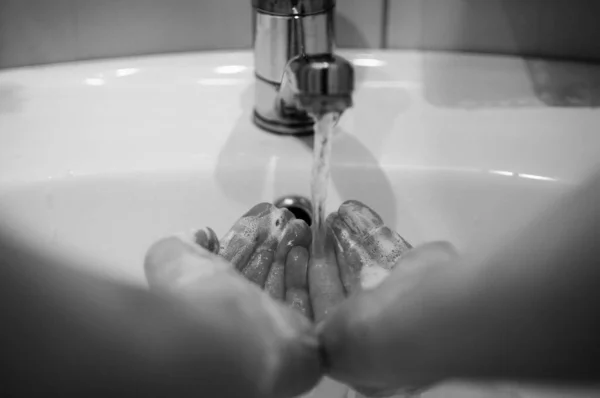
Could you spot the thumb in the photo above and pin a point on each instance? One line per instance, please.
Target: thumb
(260, 339)
(367, 341)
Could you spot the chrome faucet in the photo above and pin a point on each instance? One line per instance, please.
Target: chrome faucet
(298, 77)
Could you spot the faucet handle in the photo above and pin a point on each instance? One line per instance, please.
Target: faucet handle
(287, 7)
(322, 83)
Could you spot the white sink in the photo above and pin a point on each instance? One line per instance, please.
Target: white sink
(99, 159)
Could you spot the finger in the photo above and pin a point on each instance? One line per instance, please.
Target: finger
(258, 268)
(360, 219)
(360, 338)
(437, 252)
(171, 262)
(345, 350)
(300, 368)
(324, 283)
(385, 247)
(352, 347)
(370, 248)
(296, 269)
(275, 283)
(297, 233)
(282, 229)
(275, 224)
(239, 242)
(420, 261)
(349, 272)
(259, 229)
(299, 300)
(296, 281)
(350, 254)
(207, 238)
(382, 246)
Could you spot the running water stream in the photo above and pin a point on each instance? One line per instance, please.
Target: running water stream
(324, 126)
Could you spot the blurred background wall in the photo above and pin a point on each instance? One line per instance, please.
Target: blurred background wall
(46, 31)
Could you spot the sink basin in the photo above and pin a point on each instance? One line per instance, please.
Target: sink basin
(99, 159)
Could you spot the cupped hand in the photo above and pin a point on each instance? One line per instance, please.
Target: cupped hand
(367, 269)
(367, 340)
(353, 295)
(360, 252)
(272, 343)
(270, 247)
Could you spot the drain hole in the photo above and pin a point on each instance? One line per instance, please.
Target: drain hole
(301, 214)
(300, 207)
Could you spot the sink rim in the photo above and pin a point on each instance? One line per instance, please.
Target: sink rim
(158, 112)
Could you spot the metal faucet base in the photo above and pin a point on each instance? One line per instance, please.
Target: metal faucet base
(297, 73)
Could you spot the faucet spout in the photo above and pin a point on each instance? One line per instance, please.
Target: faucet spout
(297, 75)
(315, 85)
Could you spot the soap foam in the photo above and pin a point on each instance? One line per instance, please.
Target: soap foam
(250, 227)
(371, 276)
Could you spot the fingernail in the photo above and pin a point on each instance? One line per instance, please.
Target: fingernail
(348, 244)
(297, 233)
(207, 238)
(359, 218)
(385, 246)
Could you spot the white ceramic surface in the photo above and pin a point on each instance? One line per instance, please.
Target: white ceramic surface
(99, 159)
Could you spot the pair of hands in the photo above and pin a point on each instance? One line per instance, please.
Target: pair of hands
(293, 318)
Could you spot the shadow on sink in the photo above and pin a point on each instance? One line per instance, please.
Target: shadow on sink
(517, 28)
(357, 174)
(352, 162)
(482, 82)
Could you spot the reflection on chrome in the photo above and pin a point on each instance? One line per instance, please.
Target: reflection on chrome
(230, 69)
(95, 81)
(368, 62)
(126, 72)
(221, 82)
